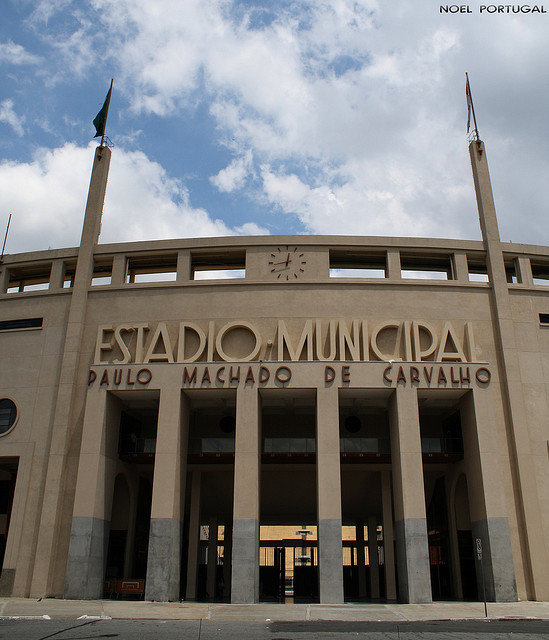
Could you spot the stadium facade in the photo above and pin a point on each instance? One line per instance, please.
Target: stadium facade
(335, 419)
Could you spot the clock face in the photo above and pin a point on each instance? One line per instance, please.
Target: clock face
(286, 263)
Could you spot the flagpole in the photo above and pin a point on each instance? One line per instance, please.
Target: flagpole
(106, 115)
(5, 238)
(470, 101)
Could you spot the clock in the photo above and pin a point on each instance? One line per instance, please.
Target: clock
(286, 263)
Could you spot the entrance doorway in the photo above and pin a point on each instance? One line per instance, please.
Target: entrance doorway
(288, 563)
(288, 540)
(8, 478)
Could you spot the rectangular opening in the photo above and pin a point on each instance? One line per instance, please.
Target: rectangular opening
(544, 319)
(34, 277)
(102, 273)
(219, 274)
(68, 275)
(348, 263)
(222, 265)
(151, 268)
(511, 270)
(478, 271)
(434, 267)
(540, 272)
(21, 323)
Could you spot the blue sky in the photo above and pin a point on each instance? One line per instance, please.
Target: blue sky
(244, 117)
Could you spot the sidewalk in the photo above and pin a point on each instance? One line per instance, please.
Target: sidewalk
(133, 610)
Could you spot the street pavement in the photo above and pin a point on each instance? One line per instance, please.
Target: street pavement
(57, 619)
(138, 610)
(88, 629)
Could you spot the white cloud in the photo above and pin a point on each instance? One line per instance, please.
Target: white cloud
(355, 110)
(235, 174)
(8, 115)
(48, 195)
(12, 53)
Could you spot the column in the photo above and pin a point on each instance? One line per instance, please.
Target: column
(388, 536)
(118, 274)
(461, 266)
(164, 558)
(211, 571)
(57, 274)
(373, 558)
(194, 537)
(183, 265)
(414, 573)
(247, 467)
(486, 496)
(4, 279)
(89, 536)
(360, 560)
(518, 418)
(48, 578)
(328, 487)
(393, 264)
(227, 553)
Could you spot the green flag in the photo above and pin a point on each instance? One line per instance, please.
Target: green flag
(100, 120)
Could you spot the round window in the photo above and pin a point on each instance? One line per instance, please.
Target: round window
(8, 415)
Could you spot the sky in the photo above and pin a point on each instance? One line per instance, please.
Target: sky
(245, 117)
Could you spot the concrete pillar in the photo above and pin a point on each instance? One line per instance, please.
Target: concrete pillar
(211, 571)
(4, 279)
(87, 556)
(183, 265)
(486, 496)
(525, 271)
(373, 558)
(461, 268)
(227, 553)
(414, 578)
(118, 269)
(393, 264)
(48, 575)
(170, 463)
(388, 536)
(328, 486)
(194, 537)
(360, 560)
(247, 468)
(57, 274)
(534, 558)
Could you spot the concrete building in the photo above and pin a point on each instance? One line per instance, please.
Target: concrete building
(335, 418)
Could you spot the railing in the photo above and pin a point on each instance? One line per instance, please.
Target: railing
(129, 446)
(449, 446)
(200, 446)
(364, 445)
(289, 445)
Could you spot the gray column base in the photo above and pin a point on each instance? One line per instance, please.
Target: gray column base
(7, 580)
(85, 573)
(245, 561)
(414, 571)
(330, 562)
(497, 560)
(164, 560)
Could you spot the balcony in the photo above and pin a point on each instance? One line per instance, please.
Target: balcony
(137, 450)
